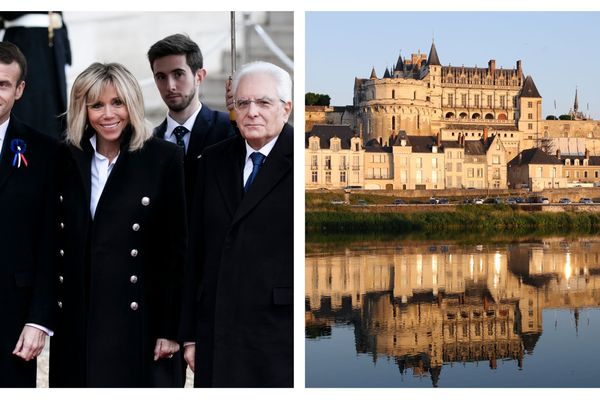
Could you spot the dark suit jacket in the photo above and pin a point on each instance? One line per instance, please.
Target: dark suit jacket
(27, 231)
(132, 251)
(209, 128)
(240, 269)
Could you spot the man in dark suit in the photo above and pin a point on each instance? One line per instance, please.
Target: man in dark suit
(239, 275)
(27, 212)
(177, 65)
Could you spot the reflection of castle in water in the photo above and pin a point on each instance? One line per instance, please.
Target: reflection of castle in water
(426, 306)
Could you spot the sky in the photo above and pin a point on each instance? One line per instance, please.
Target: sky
(558, 49)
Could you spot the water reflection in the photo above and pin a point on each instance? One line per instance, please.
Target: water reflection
(426, 305)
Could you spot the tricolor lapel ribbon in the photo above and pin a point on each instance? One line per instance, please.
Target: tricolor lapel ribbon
(18, 146)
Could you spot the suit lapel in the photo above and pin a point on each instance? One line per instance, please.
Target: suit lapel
(276, 166)
(228, 174)
(6, 158)
(160, 130)
(202, 125)
(83, 161)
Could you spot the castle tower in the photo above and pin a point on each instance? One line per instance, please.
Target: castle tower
(530, 109)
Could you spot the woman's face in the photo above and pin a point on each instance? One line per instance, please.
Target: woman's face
(108, 115)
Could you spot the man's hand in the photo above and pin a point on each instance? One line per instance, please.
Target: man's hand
(30, 343)
(228, 95)
(165, 348)
(189, 354)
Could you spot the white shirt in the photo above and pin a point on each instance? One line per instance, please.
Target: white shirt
(101, 169)
(189, 124)
(265, 150)
(3, 129)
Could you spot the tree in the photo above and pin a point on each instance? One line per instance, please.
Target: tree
(316, 99)
(565, 117)
(551, 118)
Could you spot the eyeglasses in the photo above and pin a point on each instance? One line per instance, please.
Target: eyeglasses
(244, 104)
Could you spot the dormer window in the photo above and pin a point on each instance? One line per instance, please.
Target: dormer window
(313, 143)
(334, 144)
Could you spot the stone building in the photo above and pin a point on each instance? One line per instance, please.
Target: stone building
(535, 170)
(334, 157)
(422, 97)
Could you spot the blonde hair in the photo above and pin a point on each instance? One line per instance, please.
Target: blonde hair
(88, 88)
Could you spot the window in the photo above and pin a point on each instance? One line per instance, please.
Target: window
(393, 94)
(470, 173)
(576, 162)
(529, 104)
(529, 126)
(502, 101)
(495, 159)
(489, 100)
(449, 166)
(419, 162)
(530, 116)
(314, 144)
(327, 176)
(463, 100)
(540, 171)
(434, 163)
(393, 123)
(434, 177)
(585, 174)
(476, 100)
(480, 172)
(314, 162)
(449, 156)
(327, 162)
(496, 173)
(450, 100)
(315, 177)
(419, 176)
(403, 176)
(342, 176)
(335, 144)
(458, 167)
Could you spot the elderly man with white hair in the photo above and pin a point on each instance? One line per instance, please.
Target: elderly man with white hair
(237, 317)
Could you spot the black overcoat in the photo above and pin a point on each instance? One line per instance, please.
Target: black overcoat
(210, 127)
(242, 266)
(27, 227)
(119, 276)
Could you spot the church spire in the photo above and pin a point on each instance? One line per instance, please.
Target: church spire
(433, 56)
(576, 104)
(387, 73)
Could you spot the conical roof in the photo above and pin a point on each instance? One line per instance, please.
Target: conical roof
(373, 74)
(529, 89)
(433, 56)
(399, 64)
(387, 74)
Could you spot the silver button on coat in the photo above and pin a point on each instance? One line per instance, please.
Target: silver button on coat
(134, 253)
(133, 279)
(135, 227)
(145, 201)
(134, 306)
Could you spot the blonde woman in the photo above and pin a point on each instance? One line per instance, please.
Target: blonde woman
(123, 237)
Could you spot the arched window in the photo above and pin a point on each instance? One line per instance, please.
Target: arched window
(394, 124)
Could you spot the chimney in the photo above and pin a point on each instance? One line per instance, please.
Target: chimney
(587, 154)
(439, 139)
(485, 134)
(558, 154)
(492, 67)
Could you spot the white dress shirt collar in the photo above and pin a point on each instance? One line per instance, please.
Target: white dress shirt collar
(101, 169)
(265, 150)
(189, 124)
(3, 128)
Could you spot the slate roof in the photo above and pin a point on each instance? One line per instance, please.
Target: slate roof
(326, 132)
(529, 89)
(534, 156)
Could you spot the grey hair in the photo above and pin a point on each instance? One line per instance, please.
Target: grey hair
(283, 81)
(88, 88)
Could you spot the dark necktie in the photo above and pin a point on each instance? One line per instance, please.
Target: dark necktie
(257, 160)
(179, 133)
